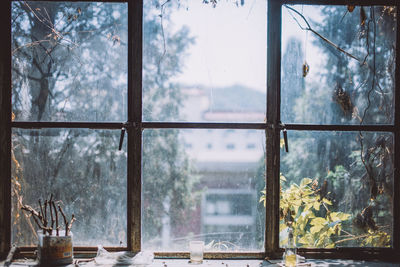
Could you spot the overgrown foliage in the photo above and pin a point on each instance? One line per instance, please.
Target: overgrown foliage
(308, 210)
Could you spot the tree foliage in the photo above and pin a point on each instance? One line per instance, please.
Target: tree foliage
(70, 64)
(353, 85)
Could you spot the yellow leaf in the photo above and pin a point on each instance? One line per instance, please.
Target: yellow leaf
(318, 220)
(316, 205)
(316, 228)
(326, 201)
(305, 182)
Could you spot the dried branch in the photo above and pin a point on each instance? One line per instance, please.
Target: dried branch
(351, 238)
(68, 229)
(51, 211)
(41, 209)
(40, 217)
(36, 217)
(65, 219)
(31, 210)
(10, 255)
(56, 214)
(162, 34)
(19, 199)
(309, 28)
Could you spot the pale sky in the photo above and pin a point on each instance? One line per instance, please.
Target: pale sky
(231, 41)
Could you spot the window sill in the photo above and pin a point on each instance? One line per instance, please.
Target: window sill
(227, 263)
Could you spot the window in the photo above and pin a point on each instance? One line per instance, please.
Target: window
(346, 165)
(80, 78)
(69, 64)
(251, 146)
(230, 146)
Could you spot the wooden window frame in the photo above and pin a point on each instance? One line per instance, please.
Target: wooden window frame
(136, 125)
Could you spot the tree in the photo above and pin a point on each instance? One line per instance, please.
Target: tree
(358, 49)
(70, 64)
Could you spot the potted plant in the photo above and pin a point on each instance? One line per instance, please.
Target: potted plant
(54, 244)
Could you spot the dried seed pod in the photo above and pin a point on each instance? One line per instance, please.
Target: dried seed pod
(363, 16)
(343, 99)
(306, 69)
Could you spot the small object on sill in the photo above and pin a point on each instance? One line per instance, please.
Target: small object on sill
(77, 262)
(123, 258)
(10, 256)
(297, 265)
(195, 262)
(196, 249)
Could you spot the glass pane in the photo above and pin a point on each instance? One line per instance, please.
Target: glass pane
(82, 168)
(69, 61)
(203, 185)
(337, 187)
(341, 70)
(204, 63)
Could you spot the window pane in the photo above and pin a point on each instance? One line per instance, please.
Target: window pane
(69, 61)
(336, 195)
(83, 169)
(345, 75)
(193, 191)
(203, 63)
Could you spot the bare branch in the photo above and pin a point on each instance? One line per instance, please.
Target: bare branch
(36, 217)
(309, 28)
(56, 213)
(162, 34)
(45, 213)
(68, 229)
(65, 219)
(41, 208)
(51, 211)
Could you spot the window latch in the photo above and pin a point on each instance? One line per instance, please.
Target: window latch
(125, 128)
(285, 139)
(121, 138)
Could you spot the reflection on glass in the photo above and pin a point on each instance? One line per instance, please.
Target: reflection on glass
(69, 61)
(202, 193)
(343, 76)
(337, 189)
(203, 63)
(83, 169)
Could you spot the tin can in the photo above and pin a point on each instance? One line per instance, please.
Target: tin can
(55, 250)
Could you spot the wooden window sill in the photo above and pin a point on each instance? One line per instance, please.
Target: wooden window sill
(226, 263)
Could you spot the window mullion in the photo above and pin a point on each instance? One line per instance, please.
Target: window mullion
(135, 13)
(5, 132)
(396, 183)
(55, 124)
(273, 131)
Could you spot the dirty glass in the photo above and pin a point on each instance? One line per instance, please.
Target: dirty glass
(196, 188)
(204, 62)
(69, 61)
(338, 64)
(337, 189)
(84, 170)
